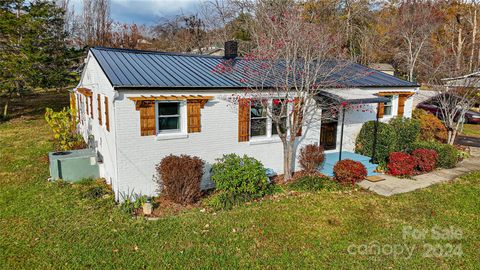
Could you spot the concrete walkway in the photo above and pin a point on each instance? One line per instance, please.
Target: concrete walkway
(393, 185)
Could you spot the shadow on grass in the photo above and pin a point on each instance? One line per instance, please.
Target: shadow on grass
(33, 104)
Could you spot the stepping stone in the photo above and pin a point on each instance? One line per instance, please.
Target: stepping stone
(375, 178)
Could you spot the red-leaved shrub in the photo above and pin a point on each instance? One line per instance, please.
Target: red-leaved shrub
(401, 164)
(426, 159)
(311, 157)
(180, 177)
(348, 171)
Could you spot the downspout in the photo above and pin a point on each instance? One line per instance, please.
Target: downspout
(341, 134)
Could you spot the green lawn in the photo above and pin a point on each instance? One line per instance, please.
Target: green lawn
(471, 130)
(50, 226)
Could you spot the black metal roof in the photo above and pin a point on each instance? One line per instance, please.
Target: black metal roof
(146, 69)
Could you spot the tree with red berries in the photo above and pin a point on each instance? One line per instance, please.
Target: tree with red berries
(293, 61)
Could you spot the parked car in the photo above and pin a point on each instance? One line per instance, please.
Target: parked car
(471, 117)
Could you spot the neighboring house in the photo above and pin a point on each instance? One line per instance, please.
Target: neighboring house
(422, 96)
(383, 67)
(213, 50)
(136, 107)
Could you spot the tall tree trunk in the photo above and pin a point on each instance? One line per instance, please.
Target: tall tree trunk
(460, 41)
(288, 160)
(5, 110)
(474, 36)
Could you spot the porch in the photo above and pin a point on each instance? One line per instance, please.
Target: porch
(333, 157)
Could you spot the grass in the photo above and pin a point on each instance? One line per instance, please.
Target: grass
(472, 130)
(47, 225)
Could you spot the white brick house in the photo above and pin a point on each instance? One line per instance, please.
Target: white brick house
(136, 107)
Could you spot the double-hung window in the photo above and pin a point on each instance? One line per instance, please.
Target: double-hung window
(387, 108)
(258, 119)
(261, 125)
(169, 120)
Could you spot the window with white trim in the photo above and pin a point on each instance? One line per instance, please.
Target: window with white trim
(263, 126)
(387, 108)
(168, 117)
(258, 119)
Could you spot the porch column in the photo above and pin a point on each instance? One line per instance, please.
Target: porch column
(341, 134)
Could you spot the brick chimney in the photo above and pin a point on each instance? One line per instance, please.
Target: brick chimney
(231, 49)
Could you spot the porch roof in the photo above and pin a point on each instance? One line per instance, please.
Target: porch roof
(353, 96)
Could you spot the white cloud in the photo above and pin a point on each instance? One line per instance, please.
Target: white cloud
(145, 11)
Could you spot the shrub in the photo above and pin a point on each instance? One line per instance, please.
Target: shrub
(311, 157)
(63, 126)
(348, 171)
(130, 202)
(314, 183)
(240, 175)
(426, 159)
(431, 128)
(181, 177)
(401, 164)
(407, 131)
(386, 141)
(448, 155)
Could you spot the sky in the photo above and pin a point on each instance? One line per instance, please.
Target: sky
(145, 11)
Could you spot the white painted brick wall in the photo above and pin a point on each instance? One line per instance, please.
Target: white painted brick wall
(138, 155)
(93, 78)
(130, 159)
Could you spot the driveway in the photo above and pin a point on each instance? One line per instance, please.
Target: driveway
(468, 141)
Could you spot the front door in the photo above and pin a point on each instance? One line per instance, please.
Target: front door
(328, 135)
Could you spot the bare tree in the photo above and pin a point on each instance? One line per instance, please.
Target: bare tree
(454, 98)
(96, 24)
(216, 15)
(294, 60)
(414, 21)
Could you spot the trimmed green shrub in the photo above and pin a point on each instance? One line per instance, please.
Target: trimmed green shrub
(447, 154)
(407, 131)
(240, 175)
(314, 183)
(386, 141)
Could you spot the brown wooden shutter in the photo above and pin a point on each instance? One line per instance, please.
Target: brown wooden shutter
(87, 107)
(73, 108)
(107, 118)
(99, 105)
(73, 105)
(380, 109)
(243, 120)
(401, 104)
(298, 113)
(147, 118)
(91, 105)
(193, 116)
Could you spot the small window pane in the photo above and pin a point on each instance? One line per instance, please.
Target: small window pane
(168, 108)
(257, 110)
(168, 123)
(258, 127)
(387, 108)
(283, 126)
